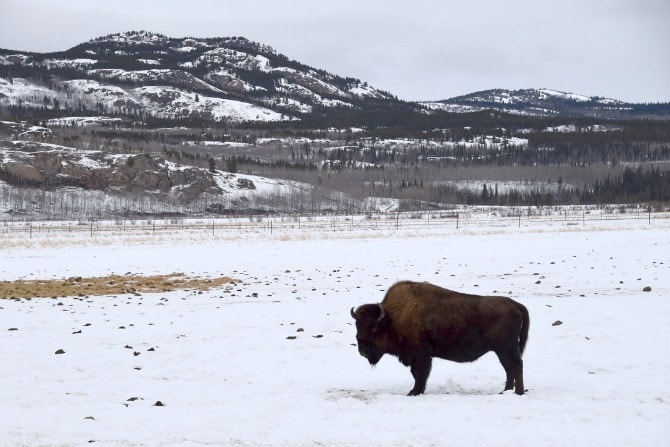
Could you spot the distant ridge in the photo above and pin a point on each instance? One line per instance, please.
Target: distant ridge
(140, 74)
(546, 102)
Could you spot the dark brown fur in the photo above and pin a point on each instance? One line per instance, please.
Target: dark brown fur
(420, 321)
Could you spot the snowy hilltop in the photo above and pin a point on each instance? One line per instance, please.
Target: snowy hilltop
(232, 79)
(151, 75)
(544, 102)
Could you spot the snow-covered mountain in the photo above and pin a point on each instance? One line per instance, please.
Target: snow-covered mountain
(544, 102)
(232, 79)
(148, 74)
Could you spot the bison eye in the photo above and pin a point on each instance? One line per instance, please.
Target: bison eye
(374, 330)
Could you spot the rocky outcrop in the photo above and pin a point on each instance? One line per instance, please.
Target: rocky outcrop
(49, 167)
(21, 174)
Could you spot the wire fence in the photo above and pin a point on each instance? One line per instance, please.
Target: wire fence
(418, 222)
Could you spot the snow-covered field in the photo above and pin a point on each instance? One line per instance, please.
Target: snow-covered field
(271, 361)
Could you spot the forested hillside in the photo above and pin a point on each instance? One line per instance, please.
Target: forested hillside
(231, 106)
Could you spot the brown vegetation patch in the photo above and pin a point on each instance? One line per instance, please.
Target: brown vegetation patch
(106, 285)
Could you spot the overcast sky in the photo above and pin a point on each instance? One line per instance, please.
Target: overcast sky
(415, 49)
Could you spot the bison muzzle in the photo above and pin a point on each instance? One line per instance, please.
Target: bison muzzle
(417, 321)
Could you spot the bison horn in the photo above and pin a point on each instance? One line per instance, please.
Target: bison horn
(382, 313)
(353, 313)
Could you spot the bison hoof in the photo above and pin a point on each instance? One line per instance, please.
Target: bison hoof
(415, 392)
(519, 392)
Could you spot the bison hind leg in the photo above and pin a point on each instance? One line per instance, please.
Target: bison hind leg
(513, 364)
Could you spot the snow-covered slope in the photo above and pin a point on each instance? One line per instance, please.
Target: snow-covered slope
(107, 75)
(533, 102)
(147, 74)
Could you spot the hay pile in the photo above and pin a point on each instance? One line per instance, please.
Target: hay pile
(106, 285)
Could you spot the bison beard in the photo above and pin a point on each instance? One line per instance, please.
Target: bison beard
(418, 321)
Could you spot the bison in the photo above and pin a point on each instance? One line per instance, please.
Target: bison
(417, 321)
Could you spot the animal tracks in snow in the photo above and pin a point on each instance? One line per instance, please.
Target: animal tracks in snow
(360, 395)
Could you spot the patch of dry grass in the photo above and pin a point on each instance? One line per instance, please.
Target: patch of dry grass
(106, 285)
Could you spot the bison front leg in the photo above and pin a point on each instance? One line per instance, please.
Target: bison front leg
(420, 368)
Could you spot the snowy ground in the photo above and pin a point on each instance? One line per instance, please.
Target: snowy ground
(223, 365)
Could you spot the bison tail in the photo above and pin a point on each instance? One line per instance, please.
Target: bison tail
(523, 335)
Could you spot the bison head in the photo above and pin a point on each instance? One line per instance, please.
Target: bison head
(372, 335)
